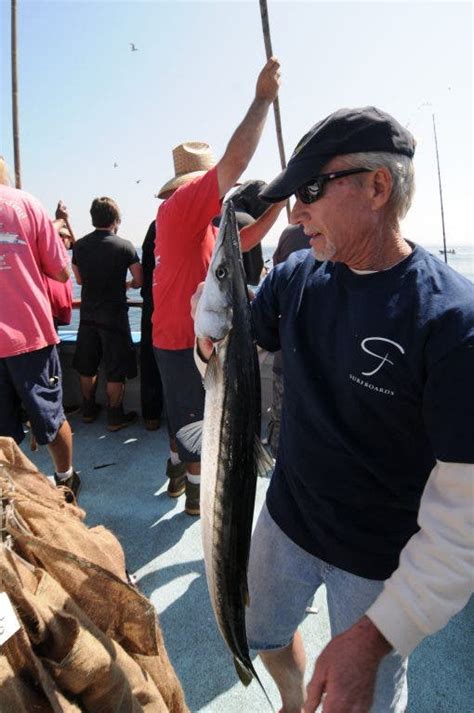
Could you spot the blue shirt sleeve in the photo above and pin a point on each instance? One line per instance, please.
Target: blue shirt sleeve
(266, 313)
(448, 405)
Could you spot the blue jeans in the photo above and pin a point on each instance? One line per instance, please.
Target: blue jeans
(282, 581)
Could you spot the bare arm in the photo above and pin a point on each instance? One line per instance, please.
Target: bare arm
(77, 274)
(62, 221)
(252, 235)
(244, 141)
(62, 276)
(137, 276)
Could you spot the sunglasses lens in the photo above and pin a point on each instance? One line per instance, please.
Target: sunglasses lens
(310, 191)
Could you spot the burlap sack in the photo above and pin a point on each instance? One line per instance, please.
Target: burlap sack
(89, 565)
(83, 662)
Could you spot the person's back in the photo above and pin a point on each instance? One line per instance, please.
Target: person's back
(103, 260)
(29, 251)
(30, 372)
(100, 262)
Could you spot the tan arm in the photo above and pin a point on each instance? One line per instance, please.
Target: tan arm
(252, 235)
(77, 274)
(137, 276)
(244, 141)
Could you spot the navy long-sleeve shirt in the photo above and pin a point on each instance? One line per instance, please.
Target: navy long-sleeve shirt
(379, 383)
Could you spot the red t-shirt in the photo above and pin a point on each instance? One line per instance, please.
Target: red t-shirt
(183, 247)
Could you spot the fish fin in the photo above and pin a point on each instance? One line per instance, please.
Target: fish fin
(190, 436)
(243, 672)
(246, 675)
(265, 462)
(212, 371)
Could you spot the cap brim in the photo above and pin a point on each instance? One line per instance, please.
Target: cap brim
(292, 177)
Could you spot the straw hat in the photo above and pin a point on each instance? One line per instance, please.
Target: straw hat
(191, 159)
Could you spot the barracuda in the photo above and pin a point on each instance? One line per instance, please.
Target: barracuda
(232, 455)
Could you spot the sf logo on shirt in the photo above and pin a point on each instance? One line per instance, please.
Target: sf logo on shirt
(376, 346)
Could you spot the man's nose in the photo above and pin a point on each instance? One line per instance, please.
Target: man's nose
(296, 213)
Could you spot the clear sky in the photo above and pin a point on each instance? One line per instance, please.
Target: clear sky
(87, 101)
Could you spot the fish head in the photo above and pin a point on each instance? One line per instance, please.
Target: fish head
(214, 312)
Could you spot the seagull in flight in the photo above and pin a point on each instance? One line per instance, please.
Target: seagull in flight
(138, 180)
(132, 47)
(115, 165)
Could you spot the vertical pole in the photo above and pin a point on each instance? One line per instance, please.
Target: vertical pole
(276, 104)
(16, 128)
(440, 191)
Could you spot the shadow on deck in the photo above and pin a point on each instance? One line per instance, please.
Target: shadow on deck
(163, 548)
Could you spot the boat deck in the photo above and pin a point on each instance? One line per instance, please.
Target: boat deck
(163, 548)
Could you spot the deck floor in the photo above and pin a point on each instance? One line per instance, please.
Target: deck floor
(163, 548)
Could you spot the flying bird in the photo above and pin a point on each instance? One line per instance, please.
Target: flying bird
(115, 165)
(138, 180)
(133, 48)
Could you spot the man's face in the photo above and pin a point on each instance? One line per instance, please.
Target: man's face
(341, 221)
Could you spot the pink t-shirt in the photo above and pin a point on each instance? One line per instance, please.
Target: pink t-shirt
(30, 248)
(184, 243)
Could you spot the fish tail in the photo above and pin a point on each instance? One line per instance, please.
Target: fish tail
(246, 674)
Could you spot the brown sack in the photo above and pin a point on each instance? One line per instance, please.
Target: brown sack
(83, 662)
(89, 565)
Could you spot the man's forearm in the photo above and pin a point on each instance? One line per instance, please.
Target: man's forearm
(245, 138)
(252, 235)
(434, 578)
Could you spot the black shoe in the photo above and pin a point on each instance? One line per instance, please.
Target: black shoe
(90, 410)
(73, 483)
(117, 418)
(193, 493)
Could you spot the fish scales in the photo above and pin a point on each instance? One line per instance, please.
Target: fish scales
(230, 429)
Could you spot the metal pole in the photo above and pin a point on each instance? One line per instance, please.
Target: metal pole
(276, 103)
(16, 127)
(440, 191)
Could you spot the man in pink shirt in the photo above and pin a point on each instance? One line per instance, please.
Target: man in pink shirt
(184, 242)
(30, 372)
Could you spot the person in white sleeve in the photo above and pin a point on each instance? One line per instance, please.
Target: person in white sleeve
(372, 489)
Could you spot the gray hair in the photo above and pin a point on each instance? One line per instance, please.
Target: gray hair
(402, 172)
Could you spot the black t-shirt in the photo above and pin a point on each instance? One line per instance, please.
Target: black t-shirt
(103, 260)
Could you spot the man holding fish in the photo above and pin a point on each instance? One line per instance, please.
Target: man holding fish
(372, 489)
(184, 242)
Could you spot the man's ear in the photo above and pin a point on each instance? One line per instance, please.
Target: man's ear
(381, 187)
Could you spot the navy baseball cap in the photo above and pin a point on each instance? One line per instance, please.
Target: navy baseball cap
(343, 132)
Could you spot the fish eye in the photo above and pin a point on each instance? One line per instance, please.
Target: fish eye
(221, 272)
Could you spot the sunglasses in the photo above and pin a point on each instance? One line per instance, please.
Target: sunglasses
(314, 189)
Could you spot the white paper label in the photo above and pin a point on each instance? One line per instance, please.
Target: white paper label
(9, 623)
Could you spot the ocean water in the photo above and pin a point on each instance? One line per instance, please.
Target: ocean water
(462, 261)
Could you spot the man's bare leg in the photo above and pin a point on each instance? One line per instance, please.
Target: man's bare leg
(88, 387)
(61, 449)
(115, 392)
(193, 468)
(286, 667)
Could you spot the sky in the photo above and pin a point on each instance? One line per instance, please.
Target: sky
(87, 101)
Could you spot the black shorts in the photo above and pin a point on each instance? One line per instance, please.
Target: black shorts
(183, 391)
(111, 344)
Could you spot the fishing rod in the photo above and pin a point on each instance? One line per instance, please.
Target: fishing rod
(276, 104)
(16, 125)
(440, 191)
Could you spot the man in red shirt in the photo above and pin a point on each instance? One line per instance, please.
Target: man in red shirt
(184, 242)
